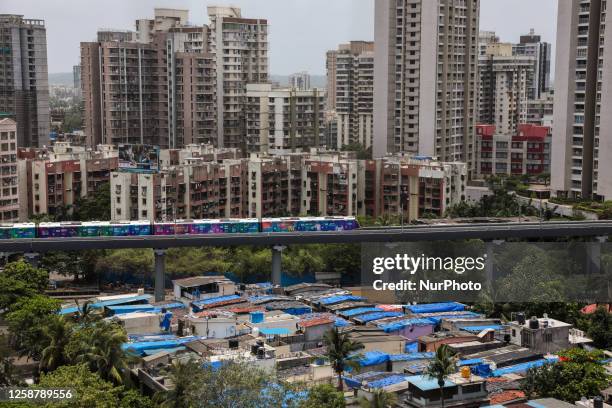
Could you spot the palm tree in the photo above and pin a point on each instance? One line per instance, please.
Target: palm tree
(182, 375)
(380, 399)
(339, 348)
(87, 313)
(443, 365)
(56, 334)
(101, 350)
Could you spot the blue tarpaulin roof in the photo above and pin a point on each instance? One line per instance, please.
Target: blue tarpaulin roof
(412, 347)
(151, 337)
(274, 331)
(112, 302)
(337, 299)
(467, 315)
(412, 356)
(123, 309)
(377, 315)
(472, 361)
(436, 307)
(518, 368)
(340, 322)
(360, 310)
(478, 329)
(296, 311)
(395, 326)
(371, 358)
(212, 301)
(385, 382)
(426, 383)
(140, 346)
(150, 352)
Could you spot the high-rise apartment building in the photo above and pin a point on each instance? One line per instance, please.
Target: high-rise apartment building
(239, 48)
(24, 88)
(426, 73)
(505, 87)
(354, 70)
(155, 86)
(582, 128)
(300, 81)
(531, 45)
(10, 209)
(282, 120)
(76, 79)
(330, 66)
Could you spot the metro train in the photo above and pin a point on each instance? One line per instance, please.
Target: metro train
(179, 227)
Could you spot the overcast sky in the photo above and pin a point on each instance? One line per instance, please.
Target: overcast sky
(300, 30)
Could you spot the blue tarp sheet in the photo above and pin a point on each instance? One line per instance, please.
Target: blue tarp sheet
(212, 301)
(478, 329)
(395, 326)
(385, 382)
(151, 337)
(521, 367)
(296, 311)
(360, 310)
(144, 299)
(274, 331)
(472, 361)
(123, 309)
(412, 347)
(436, 307)
(482, 370)
(140, 346)
(412, 356)
(340, 322)
(467, 315)
(378, 315)
(171, 306)
(371, 358)
(150, 352)
(337, 299)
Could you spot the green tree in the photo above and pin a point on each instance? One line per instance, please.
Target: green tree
(324, 395)
(133, 262)
(341, 258)
(90, 390)
(20, 279)
(600, 328)
(380, 399)
(94, 207)
(55, 335)
(340, 351)
(197, 261)
(224, 387)
(443, 364)
(533, 278)
(184, 375)
(26, 320)
(99, 346)
(577, 375)
(251, 261)
(302, 260)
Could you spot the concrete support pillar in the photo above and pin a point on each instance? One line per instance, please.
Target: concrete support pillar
(277, 252)
(490, 262)
(32, 258)
(593, 255)
(160, 269)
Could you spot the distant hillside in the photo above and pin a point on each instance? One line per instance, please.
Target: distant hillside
(61, 78)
